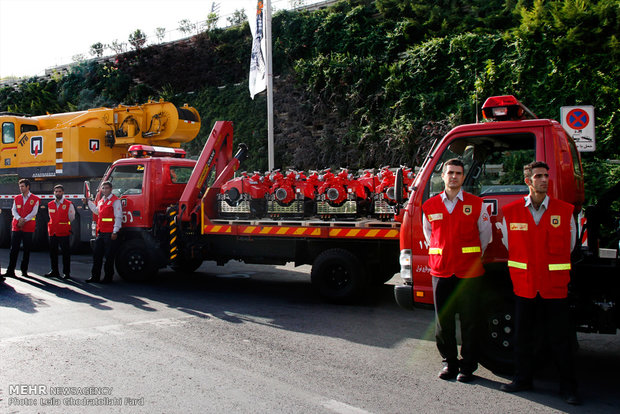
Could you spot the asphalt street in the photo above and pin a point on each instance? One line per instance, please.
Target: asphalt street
(245, 339)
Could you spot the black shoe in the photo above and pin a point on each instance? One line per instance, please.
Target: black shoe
(107, 280)
(25, 274)
(465, 377)
(9, 274)
(448, 373)
(66, 277)
(516, 386)
(51, 274)
(92, 279)
(2, 279)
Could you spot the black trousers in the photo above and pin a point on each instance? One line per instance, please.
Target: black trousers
(454, 295)
(63, 242)
(105, 247)
(554, 316)
(17, 238)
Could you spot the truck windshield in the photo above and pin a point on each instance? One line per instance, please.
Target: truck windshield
(127, 179)
(493, 163)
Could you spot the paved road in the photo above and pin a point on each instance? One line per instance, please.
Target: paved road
(243, 339)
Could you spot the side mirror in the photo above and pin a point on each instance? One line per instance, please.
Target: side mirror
(398, 186)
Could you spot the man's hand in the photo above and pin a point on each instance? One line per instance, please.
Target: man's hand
(21, 222)
(114, 236)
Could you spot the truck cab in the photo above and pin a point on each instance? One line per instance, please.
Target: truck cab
(494, 153)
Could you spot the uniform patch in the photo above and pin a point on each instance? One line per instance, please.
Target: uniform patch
(32, 202)
(467, 209)
(64, 207)
(555, 221)
(51, 211)
(433, 217)
(518, 226)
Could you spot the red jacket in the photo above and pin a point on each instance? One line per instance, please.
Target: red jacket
(455, 247)
(59, 224)
(105, 218)
(539, 255)
(23, 209)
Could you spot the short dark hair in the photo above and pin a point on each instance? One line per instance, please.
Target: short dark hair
(455, 162)
(59, 186)
(25, 182)
(107, 182)
(527, 169)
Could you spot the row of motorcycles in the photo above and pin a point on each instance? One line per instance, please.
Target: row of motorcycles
(295, 195)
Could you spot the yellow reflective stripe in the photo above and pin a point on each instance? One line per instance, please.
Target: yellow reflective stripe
(518, 265)
(33, 219)
(434, 250)
(475, 249)
(106, 219)
(559, 266)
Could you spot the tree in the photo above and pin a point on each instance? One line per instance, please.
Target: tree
(118, 47)
(96, 49)
(79, 58)
(137, 39)
(237, 18)
(186, 27)
(296, 4)
(160, 33)
(211, 22)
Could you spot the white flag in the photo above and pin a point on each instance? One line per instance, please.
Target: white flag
(258, 74)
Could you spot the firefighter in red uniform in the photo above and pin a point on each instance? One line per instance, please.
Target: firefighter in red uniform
(61, 213)
(457, 229)
(539, 233)
(109, 221)
(25, 208)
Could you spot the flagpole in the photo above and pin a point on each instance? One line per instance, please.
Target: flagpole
(270, 156)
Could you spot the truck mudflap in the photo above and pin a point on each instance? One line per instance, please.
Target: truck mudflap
(403, 294)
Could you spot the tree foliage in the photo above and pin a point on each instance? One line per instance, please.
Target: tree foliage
(369, 83)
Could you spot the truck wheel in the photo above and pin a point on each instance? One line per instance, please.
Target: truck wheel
(497, 342)
(5, 228)
(135, 262)
(39, 237)
(338, 276)
(75, 243)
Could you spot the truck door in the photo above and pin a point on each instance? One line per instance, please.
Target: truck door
(128, 185)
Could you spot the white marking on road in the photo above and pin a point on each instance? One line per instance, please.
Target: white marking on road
(342, 408)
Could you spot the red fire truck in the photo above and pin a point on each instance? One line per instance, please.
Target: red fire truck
(494, 154)
(170, 217)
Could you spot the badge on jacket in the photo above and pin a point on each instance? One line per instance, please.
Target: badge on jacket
(467, 209)
(555, 221)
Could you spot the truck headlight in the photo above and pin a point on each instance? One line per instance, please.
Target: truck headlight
(405, 266)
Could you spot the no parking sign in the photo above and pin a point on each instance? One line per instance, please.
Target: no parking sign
(578, 121)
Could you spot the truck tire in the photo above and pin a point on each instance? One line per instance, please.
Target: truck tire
(75, 242)
(5, 228)
(40, 239)
(497, 342)
(134, 261)
(338, 276)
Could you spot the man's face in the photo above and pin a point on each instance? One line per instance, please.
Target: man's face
(106, 190)
(453, 177)
(539, 181)
(58, 193)
(23, 188)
